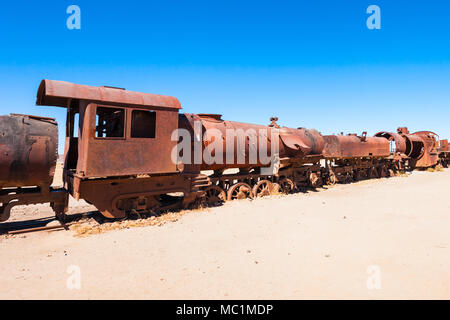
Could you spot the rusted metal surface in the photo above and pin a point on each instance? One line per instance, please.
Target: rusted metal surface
(353, 146)
(444, 153)
(28, 151)
(125, 155)
(292, 143)
(110, 167)
(117, 129)
(444, 146)
(420, 147)
(113, 197)
(30, 230)
(61, 93)
(301, 142)
(122, 141)
(11, 197)
(120, 134)
(352, 158)
(214, 124)
(28, 154)
(407, 144)
(119, 150)
(430, 154)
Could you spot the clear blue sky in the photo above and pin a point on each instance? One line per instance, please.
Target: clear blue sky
(311, 63)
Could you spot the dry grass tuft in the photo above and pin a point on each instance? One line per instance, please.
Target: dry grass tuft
(402, 174)
(91, 227)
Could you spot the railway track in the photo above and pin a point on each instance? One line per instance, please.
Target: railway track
(41, 224)
(38, 225)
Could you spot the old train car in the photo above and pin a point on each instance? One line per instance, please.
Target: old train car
(444, 153)
(118, 148)
(300, 164)
(430, 157)
(134, 152)
(28, 155)
(351, 157)
(410, 151)
(120, 156)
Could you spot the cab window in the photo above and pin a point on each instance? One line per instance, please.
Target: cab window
(143, 124)
(109, 122)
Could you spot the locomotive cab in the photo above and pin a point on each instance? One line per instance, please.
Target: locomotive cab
(112, 137)
(119, 140)
(114, 132)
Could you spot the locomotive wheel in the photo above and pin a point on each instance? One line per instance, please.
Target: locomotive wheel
(122, 205)
(349, 178)
(332, 179)
(315, 180)
(3, 216)
(276, 188)
(373, 173)
(286, 185)
(215, 195)
(382, 172)
(240, 190)
(262, 189)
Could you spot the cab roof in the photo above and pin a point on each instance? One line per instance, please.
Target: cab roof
(60, 93)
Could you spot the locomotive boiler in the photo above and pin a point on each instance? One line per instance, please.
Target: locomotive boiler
(353, 157)
(292, 154)
(430, 157)
(417, 150)
(28, 155)
(28, 151)
(239, 140)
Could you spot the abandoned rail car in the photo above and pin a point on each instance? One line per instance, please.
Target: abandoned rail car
(352, 157)
(119, 158)
(444, 153)
(414, 151)
(28, 155)
(135, 152)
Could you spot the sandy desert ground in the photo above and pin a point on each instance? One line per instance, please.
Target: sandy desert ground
(377, 239)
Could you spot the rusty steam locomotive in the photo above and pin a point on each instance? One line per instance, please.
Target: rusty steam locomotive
(119, 145)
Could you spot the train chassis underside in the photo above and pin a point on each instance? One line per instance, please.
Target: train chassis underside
(11, 197)
(444, 159)
(355, 169)
(119, 196)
